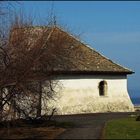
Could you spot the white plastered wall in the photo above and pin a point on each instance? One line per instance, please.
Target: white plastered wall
(80, 94)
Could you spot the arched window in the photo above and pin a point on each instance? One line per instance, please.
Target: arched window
(103, 88)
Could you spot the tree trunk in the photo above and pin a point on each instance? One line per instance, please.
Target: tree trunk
(39, 106)
(12, 104)
(1, 108)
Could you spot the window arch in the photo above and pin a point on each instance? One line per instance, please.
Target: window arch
(103, 88)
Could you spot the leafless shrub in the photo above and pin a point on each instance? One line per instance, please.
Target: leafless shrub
(28, 62)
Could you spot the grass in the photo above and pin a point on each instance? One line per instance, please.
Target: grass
(125, 128)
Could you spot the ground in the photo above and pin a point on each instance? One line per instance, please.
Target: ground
(82, 126)
(88, 126)
(31, 133)
(31, 129)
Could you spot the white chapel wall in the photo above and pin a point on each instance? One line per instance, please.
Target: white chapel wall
(80, 94)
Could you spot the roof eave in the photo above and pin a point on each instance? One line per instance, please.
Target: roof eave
(93, 72)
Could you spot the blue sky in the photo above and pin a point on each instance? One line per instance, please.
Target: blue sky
(112, 28)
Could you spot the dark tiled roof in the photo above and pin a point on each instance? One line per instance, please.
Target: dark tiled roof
(82, 58)
(76, 57)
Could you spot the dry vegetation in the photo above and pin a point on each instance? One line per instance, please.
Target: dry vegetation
(31, 133)
(26, 74)
(27, 66)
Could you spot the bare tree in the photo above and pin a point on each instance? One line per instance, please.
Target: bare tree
(4, 59)
(30, 57)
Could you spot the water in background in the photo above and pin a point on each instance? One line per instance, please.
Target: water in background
(135, 100)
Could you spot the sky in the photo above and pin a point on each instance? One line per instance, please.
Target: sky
(110, 27)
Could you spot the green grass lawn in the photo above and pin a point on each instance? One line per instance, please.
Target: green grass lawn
(126, 128)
